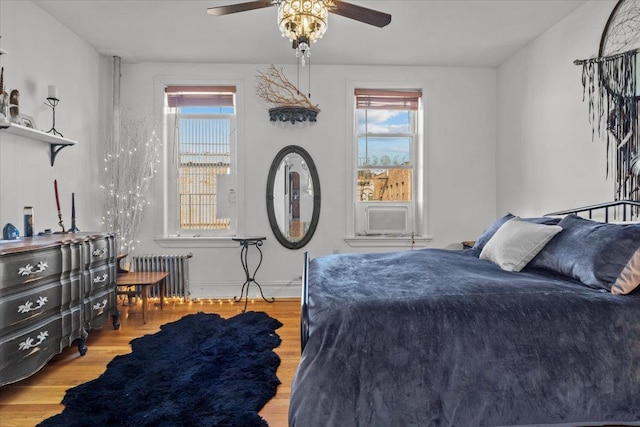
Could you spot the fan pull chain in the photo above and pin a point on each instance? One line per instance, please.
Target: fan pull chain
(309, 88)
(298, 77)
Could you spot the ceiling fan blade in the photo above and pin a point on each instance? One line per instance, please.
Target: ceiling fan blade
(362, 14)
(240, 7)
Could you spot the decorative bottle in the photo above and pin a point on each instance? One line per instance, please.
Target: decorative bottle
(28, 221)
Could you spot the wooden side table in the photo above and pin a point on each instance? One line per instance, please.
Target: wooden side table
(142, 279)
(468, 244)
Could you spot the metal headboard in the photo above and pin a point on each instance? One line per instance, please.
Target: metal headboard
(304, 304)
(623, 210)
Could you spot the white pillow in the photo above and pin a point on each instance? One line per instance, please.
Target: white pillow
(517, 242)
(629, 278)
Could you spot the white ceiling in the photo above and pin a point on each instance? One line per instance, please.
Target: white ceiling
(422, 32)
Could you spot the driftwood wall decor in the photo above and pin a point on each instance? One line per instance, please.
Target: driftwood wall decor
(290, 104)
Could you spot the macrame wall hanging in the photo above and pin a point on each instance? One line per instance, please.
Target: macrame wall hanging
(610, 82)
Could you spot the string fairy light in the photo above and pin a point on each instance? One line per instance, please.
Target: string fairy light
(130, 164)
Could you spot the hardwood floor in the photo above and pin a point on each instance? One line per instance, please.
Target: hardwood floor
(38, 397)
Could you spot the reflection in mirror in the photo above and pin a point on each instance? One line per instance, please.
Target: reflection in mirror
(293, 197)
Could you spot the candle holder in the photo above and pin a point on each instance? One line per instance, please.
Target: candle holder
(60, 223)
(73, 228)
(53, 102)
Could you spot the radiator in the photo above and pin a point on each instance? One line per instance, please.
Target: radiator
(177, 283)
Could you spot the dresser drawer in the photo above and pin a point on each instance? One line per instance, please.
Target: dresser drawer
(26, 351)
(99, 278)
(18, 309)
(29, 268)
(98, 251)
(98, 308)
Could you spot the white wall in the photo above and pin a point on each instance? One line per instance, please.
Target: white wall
(460, 132)
(546, 160)
(44, 52)
(460, 105)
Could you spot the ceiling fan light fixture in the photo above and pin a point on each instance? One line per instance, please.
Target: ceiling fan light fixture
(303, 22)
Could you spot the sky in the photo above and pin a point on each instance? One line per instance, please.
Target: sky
(381, 122)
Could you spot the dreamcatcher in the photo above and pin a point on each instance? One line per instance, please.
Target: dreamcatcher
(611, 83)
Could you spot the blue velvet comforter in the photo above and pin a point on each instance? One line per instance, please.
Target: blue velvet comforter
(441, 338)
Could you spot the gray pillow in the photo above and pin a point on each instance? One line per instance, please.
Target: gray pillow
(489, 232)
(592, 252)
(517, 242)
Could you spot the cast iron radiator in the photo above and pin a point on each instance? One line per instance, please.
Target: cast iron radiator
(177, 266)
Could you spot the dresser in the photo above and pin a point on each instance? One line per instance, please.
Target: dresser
(53, 290)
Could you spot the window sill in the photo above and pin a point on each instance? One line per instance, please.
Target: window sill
(195, 242)
(388, 241)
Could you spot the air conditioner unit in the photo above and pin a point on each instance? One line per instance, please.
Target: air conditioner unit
(387, 220)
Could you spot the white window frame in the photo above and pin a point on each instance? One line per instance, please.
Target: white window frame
(420, 237)
(166, 189)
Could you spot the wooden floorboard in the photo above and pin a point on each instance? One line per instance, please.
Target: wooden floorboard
(28, 402)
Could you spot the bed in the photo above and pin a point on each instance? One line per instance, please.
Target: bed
(435, 337)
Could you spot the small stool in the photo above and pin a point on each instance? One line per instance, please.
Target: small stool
(142, 279)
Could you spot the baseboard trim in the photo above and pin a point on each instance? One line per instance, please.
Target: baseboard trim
(225, 290)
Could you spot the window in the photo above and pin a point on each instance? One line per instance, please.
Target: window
(387, 146)
(202, 131)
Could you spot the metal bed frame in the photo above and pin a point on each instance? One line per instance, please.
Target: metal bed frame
(304, 304)
(624, 210)
(627, 209)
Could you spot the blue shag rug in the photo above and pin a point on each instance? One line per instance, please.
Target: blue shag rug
(201, 370)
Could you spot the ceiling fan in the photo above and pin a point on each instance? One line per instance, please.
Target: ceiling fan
(305, 21)
(342, 8)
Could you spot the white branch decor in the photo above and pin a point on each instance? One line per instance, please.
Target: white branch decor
(132, 155)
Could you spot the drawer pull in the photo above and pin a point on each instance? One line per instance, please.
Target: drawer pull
(99, 307)
(99, 252)
(29, 342)
(100, 279)
(28, 269)
(28, 306)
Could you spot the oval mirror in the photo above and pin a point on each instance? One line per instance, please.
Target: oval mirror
(293, 197)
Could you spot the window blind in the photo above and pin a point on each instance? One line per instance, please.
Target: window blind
(383, 99)
(204, 156)
(200, 96)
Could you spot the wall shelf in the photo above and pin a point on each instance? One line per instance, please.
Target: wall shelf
(55, 142)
